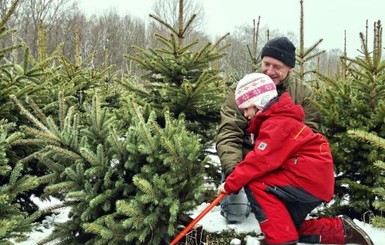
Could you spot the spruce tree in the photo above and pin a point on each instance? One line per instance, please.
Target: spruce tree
(355, 101)
(379, 203)
(18, 212)
(181, 76)
(22, 75)
(14, 222)
(93, 154)
(124, 185)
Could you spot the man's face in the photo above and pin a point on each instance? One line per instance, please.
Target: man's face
(275, 69)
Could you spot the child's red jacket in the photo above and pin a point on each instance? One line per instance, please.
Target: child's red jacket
(286, 152)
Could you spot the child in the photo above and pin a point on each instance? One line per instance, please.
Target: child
(289, 172)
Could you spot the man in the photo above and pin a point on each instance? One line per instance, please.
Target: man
(289, 172)
(234, 142)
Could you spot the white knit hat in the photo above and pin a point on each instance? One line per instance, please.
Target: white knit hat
(255, 89)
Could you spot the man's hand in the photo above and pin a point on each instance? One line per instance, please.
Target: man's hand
(221, 188)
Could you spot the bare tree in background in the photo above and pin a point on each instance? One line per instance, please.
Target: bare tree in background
(329, 62)
(51, 13)
(167, 11)
(244, 55)
(108, 35)
(4, 6)
(111, 35)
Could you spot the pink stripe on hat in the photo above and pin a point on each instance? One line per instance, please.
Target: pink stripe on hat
(249, 94)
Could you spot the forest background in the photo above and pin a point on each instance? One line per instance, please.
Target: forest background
(326, 19)
(117, 119)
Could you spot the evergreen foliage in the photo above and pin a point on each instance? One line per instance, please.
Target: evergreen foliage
(356, 101)
(129, 162)
(94, 155)
(379, 203)
(39, 80)
(181, 76)
(14, 222)
(18, 212)
(126, 188)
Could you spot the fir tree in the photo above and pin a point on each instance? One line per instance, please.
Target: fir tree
(122, 188)
(14, 223)
(15, 79)
(181, 76)
(379, 203)
(39, 80)
(304, 55)
(355, 101)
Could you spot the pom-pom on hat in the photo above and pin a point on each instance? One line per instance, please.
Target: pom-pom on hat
(280, 48)
(255, 89)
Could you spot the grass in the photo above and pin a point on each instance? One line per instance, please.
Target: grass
(215, 238)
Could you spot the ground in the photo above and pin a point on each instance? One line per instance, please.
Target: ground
(216, 230)
(213, 222)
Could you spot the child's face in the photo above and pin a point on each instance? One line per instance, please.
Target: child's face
(251, 112)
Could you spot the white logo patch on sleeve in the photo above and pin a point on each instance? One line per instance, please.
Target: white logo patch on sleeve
(262, 146)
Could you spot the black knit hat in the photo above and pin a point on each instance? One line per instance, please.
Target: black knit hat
(280, 48)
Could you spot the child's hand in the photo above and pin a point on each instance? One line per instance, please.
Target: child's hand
(221, 188)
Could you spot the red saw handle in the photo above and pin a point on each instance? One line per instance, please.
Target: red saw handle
(199, 217)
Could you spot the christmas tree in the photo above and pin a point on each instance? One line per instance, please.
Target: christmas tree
(354, 100)
(123, 185)
(18, 212)
(14, 221)
(181, 75)
(379, 203)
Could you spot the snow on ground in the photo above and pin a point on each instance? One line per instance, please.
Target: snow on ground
(215, 222)
(47, 226)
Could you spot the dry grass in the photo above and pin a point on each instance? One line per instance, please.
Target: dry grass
(206, 238)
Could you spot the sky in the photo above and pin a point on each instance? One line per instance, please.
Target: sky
(326, 19)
